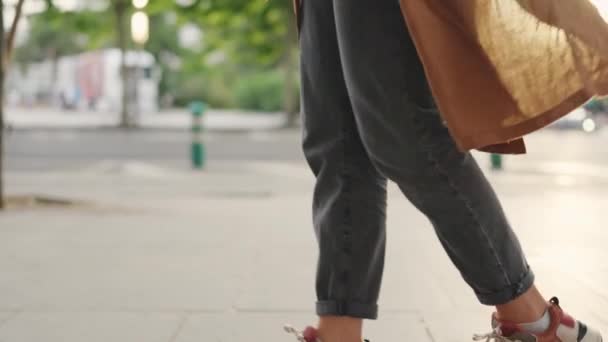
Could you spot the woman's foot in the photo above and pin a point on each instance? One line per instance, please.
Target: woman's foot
(309, 334)
(562, 328)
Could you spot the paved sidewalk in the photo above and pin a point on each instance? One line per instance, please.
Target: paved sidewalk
(220, 120)
(228, 255)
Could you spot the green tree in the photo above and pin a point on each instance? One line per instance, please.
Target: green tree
(164, 46)
(55, 33)
(51, 36)
(254, 35)
(2, 59)
(7, 41)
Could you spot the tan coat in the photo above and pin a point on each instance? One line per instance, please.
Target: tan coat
(500, 69)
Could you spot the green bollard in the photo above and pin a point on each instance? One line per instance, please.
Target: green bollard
(496, 160)
(197, 152)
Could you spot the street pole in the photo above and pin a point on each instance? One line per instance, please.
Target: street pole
(120, 11)
(197, 151)
(140, 32)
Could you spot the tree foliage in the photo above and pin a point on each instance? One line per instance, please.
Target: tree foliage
(58, 33)
(248, 36)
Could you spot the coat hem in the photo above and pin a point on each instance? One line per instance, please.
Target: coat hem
(487, 141)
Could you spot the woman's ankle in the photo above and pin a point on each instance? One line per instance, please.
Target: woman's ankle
(340, 329)
(526, 308)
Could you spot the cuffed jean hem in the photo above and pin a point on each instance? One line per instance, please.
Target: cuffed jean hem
(509, 293)
(350, 309)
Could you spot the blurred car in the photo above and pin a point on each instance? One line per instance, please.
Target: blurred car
(579, 119)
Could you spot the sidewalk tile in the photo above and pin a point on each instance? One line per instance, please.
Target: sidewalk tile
(90, 327)
(457, 326)
(269, 327)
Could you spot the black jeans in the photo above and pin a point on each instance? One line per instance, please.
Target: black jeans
(369, 116)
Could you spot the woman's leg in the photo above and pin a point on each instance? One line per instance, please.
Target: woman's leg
(350, 195)
(405, 138)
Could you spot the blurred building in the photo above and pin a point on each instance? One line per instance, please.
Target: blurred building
(89, 81)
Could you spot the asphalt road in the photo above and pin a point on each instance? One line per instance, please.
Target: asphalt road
(69, 149)
(66, 149)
